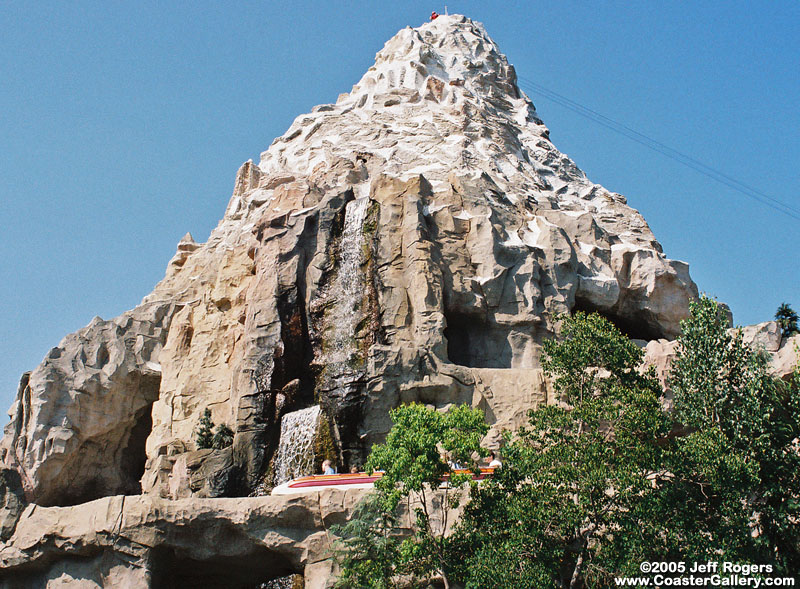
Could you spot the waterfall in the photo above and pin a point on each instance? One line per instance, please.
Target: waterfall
(295, 454)
(347, 291)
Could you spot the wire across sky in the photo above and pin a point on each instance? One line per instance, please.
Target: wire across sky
(531, 87)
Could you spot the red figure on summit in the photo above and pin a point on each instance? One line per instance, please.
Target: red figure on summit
(434, 15)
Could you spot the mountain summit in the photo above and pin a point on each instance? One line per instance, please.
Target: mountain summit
(415, 241)
(439, 98)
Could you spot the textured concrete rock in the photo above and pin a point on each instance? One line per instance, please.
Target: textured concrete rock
(12, 502)
(80, 419)
(787, 359)
(765, 335)
(159, 543)
(415, 241)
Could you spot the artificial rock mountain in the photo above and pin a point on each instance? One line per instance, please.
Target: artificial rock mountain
(414, 241)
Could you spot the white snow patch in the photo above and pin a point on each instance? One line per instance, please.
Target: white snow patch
(154, 366)
(624, 247)
(513, 240)
(601, 277)
(428, 210)
(531, 236)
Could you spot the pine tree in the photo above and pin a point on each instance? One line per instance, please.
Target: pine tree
(205, 434)
(223, 437)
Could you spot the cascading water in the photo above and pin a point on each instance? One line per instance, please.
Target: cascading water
(341, 387)
(295, 454)
(347, 291)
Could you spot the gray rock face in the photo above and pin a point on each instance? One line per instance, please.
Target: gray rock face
(414, 241)
(12, 502)
(79, 419)
(148, 542)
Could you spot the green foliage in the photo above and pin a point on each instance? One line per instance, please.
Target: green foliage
(414, 462)
(590, 344)
(713, 371)
(223, 437)
(204, 435)
(787, 318)
(741, 464)
(566, 506)
(368, 551)
(411, 457)
(607, 480)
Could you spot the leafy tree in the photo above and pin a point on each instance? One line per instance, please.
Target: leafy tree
(414, 461)
(223, 437)
(565, 509)
(606, 479)
(591, 359)
(369, 548)
(739, 465)
(205, 434)
(787, 318)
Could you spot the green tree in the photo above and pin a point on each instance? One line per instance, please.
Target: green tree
(566, 508)
(223, 437)
(414, 461)
(787, 318)
(204, 435)
(368, 551)
(738, 465)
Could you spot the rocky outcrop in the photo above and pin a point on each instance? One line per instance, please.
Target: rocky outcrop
(786, 359)
(144, 541)
(80, 420)
(415, 241)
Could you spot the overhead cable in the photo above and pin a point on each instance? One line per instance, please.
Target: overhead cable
(682, 158)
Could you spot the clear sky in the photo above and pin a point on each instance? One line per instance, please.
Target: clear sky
(123, 125)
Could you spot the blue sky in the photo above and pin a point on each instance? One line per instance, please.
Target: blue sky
(123, 125)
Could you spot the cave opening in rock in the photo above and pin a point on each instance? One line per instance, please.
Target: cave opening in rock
(251, 569)
(472, 341)
(134, 455)
(639, 326)
(113, 461)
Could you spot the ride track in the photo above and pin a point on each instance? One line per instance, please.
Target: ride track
(359, 480)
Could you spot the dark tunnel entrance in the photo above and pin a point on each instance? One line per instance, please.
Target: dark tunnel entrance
(472, 341)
